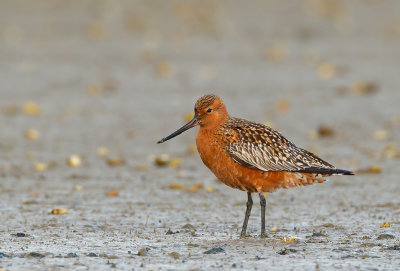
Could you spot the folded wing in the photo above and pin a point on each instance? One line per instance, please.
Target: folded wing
(258, 146)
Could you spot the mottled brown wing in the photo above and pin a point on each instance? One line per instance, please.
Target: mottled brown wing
(258, 146)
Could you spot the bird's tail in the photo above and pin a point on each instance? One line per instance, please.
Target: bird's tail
(342, 172)
(328, 171)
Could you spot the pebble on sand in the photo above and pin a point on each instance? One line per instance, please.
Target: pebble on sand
(31, 108)
(59, 211)
(174, 255)
(74, 160)
(32, 134)
(384, 225)
(214, 250)
(40, 167)
(143, 252)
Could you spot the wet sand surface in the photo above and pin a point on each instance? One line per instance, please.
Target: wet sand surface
(104, 80)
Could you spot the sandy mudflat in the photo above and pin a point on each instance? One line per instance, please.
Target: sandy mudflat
(121, 75)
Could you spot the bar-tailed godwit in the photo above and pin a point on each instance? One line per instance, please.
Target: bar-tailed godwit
(251, 157)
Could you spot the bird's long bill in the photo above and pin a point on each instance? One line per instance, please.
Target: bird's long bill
(194, 122)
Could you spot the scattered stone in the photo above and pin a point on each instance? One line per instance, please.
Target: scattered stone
(175, 162)
(74, 160)
(32, 134)
(348, 256)
(192, 149)
(10, 109)
(40, 167)
(143, 252)
(176, 186)
(283, 106)
(115, 161)
(214, 250)
(391, 150)
(112, 257)
(59, 211)
(141, 167)
(189, 116)
(195, 187)
(171, 232)
(163, 68)
(381, 134)
(112, 194)
(286, 251)
(192, 245)
(35, 255)
(369, 170)
(3, 255)
(395, 247)
(363, 88)
(327, 225)
(275, 52)
(189, 227)
(162, 160)
(326, 70)
(102, 151)
(29, 202)
(49, 255)
(209, 189)
(174, 255)
(318, 234)
(96, 30)
(71, 255)
(368, 245)
(325, 131)
(385, 225)
(385, 236)
(19, 234)
(31, 108)
(112, 265)
(92, 254)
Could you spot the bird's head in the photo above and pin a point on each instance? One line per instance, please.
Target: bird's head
(209, 112)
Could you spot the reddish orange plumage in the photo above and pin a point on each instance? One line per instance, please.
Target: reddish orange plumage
(250, 156)
(216, 158)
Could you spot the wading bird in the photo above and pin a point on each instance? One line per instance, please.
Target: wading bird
(251, 157)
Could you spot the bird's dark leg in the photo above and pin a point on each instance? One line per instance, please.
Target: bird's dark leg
(249, 204)
(262, 203)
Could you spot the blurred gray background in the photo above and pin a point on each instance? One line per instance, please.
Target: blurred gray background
(104, 80)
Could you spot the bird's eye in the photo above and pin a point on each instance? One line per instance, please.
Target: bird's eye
(209, 110)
